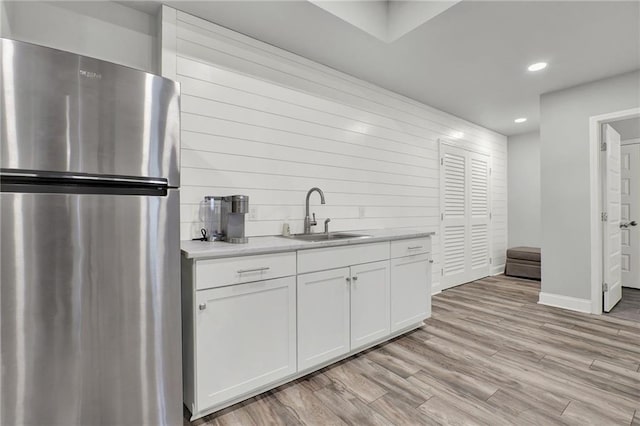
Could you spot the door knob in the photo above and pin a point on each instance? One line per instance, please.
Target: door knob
(633, 223)
(628, 224)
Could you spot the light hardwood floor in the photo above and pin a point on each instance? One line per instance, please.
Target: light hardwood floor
(629, 306)
(489, 355)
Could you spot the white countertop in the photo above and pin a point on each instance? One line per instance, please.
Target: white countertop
(276, 244)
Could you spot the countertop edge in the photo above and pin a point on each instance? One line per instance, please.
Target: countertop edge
(243, 250)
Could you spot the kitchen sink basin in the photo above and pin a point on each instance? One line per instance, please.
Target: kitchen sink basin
(326, 237)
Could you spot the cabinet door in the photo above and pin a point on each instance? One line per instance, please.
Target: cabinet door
(369, 303)
(323, 316)
(245, 338)
(410, 291)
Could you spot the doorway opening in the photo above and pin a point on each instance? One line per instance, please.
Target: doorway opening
(620, 215)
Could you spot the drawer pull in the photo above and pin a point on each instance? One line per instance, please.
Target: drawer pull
(245, 271)
(202, 306)
(414, 247)
(355, 278)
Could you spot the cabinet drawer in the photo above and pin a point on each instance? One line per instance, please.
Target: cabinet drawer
(235, 270)
(339, 257)
(410, 247)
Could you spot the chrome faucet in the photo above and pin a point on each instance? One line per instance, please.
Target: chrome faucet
(308, 223)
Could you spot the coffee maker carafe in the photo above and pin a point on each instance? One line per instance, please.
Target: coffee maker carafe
(234, 209)
(213, 207)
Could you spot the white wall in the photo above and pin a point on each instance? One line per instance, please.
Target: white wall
(100, 29)
(261, 121)
(524, 190)
(565, 180)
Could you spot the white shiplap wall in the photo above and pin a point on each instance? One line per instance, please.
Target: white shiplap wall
(260, 121)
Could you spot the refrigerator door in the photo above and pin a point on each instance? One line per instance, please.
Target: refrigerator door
(63, 112)
(90, 309)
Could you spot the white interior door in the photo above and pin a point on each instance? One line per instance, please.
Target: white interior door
(630, 215)
(465, 215)
(612, 235)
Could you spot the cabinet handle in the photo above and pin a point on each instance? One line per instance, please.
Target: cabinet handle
(348, 279)
(430, 260)
(202, 306)
(244, 271)
(414, 247)
(355, 278)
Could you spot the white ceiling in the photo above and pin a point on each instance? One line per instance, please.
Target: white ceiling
(387, 20)
(628, 129)
(469, 60)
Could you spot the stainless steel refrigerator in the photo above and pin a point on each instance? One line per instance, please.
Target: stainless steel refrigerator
(89, 254)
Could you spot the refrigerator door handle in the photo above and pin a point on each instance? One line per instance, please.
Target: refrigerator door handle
(35, 176)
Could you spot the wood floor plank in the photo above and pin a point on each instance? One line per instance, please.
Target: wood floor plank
(528, 393)
(560, 381)
(586, 414)
(397, 412)
(621, 373)
(267, 410)
(522, 408)
(391, 382)
(306, 406)
(622, 388)
(489, 355)
(351, 409)
(402, 367)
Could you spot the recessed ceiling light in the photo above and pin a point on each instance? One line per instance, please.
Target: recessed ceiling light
(520, 120)
(537, 66)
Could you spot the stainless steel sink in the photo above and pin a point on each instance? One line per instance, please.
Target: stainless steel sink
(326, 237)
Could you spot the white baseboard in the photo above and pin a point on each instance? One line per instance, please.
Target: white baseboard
(497, 270)
(436, 288)
(565, 302)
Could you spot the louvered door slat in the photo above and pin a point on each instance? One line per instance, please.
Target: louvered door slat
(454, 185)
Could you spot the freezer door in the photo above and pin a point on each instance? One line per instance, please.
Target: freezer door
(63, 112)
(90, 309)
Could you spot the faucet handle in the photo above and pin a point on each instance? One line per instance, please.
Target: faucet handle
(314, 222)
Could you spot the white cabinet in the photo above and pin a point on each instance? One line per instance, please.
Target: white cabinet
(245, 338)
(251, 323)
(370, 303)
(410, 291)
(323, 316)
(342, 310)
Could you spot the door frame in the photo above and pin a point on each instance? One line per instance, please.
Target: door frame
(595, 180)
(466, 146)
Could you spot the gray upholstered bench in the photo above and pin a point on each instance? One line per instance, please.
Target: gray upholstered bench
(523, 262)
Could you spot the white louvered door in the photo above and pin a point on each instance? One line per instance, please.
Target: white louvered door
(465, 215)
